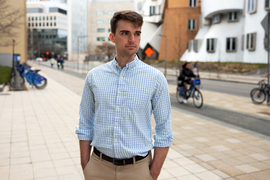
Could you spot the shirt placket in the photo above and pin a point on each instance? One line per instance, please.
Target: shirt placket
(118, 114)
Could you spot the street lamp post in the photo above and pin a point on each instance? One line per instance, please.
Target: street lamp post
(78, 47)
(165, 68)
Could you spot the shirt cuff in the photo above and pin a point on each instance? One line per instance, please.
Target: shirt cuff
(163, 140)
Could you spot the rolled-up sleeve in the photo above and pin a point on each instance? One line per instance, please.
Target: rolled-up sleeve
(162, 113)
(85, 130)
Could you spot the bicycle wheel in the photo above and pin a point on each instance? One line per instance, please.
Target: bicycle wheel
(258, 96)
(197, 98)
(252, 91)
(21, 81)
(179, 98)
(42, 84)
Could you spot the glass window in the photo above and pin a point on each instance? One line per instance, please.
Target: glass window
(210, 46)
(36, 24)
(252, 6)
(109, 39)
(33, 24)
(192, 3)
(251, 41)
(195, 45)
(100, 29)
(40, 18)
(267, 4)
(29, 19)
(191, 24)
(43, 24)
(232, 16)
(100, 12)
(54, 17)
(55, 24)
(109, 30)
(216, 19)
(36, 18)
(100, 21)
(33, 18)
(50, 17)
(51, 24)
(152, 10)
(47, 24)
(231, 44)
(47, 17)
(100, 38)
(29, 24)
(39, 24)
(43, 17)
(111, 12)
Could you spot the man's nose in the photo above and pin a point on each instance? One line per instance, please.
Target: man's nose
(131, 38)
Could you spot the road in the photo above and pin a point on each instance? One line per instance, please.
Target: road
(238, 89)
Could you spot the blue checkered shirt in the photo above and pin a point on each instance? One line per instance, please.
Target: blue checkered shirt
(116, 109)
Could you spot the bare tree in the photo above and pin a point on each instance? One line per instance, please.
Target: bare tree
(9, 22)
(106, 48)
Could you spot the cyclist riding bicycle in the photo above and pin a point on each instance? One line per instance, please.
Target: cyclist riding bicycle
(185, 77)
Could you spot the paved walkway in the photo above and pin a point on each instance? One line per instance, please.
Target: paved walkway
(37, 139)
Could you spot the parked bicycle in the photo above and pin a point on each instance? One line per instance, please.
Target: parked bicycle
(193, 92)
(258, 95)
(31, 76)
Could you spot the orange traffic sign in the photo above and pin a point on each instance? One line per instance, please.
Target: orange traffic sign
(149, 52)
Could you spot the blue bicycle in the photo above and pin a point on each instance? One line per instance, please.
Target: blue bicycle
(32, 77)
(192, 92)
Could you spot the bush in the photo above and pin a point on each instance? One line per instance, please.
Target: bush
(5, 74)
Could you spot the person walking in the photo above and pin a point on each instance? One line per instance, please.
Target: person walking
(118, 100)
(52, 62)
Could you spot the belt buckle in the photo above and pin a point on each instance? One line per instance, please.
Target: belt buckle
(115, 160)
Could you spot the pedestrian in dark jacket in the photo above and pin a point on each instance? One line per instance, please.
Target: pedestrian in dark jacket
(185, 76)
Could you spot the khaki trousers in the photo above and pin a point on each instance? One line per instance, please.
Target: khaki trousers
(99, 169)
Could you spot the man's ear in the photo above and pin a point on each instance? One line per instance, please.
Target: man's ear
(111, 35)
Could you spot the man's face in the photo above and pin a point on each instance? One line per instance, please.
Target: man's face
(127, 38)
(188, 66)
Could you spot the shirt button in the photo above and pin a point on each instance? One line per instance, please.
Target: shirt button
(116, 123)
(115, 139)
(117, 107)
(116, 154)
(119, 92)
(121, 76)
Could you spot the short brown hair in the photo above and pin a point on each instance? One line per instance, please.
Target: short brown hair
(127, 15)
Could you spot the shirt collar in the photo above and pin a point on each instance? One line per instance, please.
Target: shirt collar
(129, 65)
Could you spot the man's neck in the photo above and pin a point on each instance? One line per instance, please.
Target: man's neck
(122, 61)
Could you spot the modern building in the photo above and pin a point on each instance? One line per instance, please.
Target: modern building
(230, 31)
(152, 12)
(77, 29)
(15, 38)
(99, 14)
(181, 23)
(47, 23)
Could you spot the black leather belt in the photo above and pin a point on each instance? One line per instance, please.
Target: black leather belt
(119, 162)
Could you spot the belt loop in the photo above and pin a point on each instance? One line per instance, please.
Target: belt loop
(134, 161)
(100, 156)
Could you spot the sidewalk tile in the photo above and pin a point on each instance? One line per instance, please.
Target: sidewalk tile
(43, 165)
(22, 175)
(259, 157)
(208, 175)
(206, 157)
(23, 160)
(183, 161)
(221, 148)
(194, 168)
(220, 174)
(185, 146)
(4, 176)
(44, 173)
(178, 171)
(245, 177)
(164, 174)
(247, 168)
(188, 177)
(169, 163)
(232, 140)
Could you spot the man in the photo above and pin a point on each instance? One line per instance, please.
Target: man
(116, 107)
(185, 76)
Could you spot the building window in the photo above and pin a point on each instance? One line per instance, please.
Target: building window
(47, 24)
(251, 41)
(252, 6)
(232, 16)
(267, 5)
(109, 39)
(39, 24)
(29, 24)
(100, 12)
(29, 19)
(50, 17)
(33, 24)
(191, 24)
(47, 18)
(36, 24)
(51, 24)
(211, 43)
(40, 18)
(54, 17)
(100, 38)
(192, 3)
(43, 24)
(195, 45)
(152, 10)
(55, 24)
(111, 12)
(33, 18)
(216, 19)
(109, 30)
(100, 21)
(231, 44)
(36, 18)
(100, 29)
(44, 18)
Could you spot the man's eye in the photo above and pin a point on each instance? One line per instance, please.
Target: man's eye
(137, 34)
(124, 33)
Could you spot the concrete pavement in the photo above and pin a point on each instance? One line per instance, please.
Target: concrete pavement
(37, 139)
